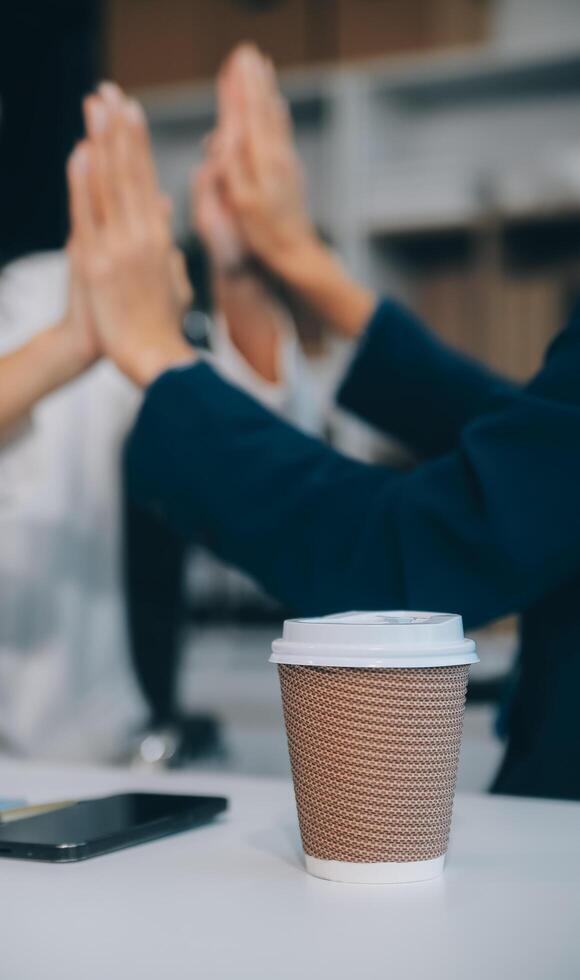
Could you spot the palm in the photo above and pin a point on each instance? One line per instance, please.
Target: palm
(79, 317)
(215, 222)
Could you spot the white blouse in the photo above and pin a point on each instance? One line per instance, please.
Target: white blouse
(66, 687)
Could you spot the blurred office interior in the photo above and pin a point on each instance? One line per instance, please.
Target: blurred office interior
(441, 143)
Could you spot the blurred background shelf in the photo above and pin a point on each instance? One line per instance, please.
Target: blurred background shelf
(470, 75)
(412, 144)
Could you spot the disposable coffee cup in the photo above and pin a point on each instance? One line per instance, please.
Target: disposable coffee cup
(373, 706)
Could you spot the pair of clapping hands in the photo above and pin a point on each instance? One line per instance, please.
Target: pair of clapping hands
(128, 283)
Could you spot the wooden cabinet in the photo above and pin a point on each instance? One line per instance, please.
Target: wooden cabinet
(153, 42)
(375, 27)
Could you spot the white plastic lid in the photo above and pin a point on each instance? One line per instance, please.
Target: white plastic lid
(375, 639)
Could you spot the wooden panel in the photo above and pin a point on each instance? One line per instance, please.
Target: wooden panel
(375, 27)
(456, 22)
(322, 39)
(163, 41)
(280, 29)
(154, 42)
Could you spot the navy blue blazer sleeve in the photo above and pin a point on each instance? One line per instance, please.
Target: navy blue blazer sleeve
(405, 381)
(483, 530)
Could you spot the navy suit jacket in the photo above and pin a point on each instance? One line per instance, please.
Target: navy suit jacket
(487, 524)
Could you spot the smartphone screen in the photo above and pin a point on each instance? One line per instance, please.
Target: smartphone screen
(96, 826)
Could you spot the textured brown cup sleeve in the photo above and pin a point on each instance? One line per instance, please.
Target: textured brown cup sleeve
(374, 755)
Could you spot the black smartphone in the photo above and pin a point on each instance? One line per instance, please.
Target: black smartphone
(90, 827)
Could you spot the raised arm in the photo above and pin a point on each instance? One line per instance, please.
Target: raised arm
(49, 360)
(483, 530)
(401, 367)
(251, 326)
(403, 379)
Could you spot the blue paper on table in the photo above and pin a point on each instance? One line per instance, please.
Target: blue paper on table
(9, 804)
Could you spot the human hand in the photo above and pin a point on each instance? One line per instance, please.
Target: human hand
(50, 359)
(76, 329)
(96, 108)
(261, 175)
(180, 285)
(249, 313)
(264, 187)
(213, 219)
(121, 232)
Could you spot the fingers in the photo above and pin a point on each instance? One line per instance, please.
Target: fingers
(262, 110)
(82, 197)
(126, 185)
(135, 196)
(236, 154)
(144, 171)
(233, 170)
(254, 116)
(95, 117)
(267, 94)
(229, 138)
(101, 125)
(122, 107)
(182, 288)
(204, 193)
(226, 162)
(119, 163)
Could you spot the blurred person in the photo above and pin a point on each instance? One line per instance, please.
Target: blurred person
(486, 525)
(64, 664)
(262, 359)
(66, 684)
(66, 689)
(253, 342)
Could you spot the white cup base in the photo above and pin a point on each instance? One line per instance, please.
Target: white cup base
(380, 873)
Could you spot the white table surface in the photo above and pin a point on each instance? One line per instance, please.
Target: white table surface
(231, 900)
